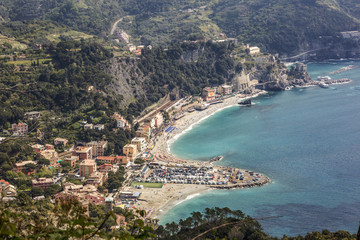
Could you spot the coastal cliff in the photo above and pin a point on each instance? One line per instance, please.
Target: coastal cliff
(191, 66)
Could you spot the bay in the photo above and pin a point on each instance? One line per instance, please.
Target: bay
(307, 140)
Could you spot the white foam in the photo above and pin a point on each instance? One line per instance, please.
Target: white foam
(188, 198)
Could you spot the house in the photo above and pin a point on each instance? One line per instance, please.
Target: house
(106, 167)
(226, 89)
(97, 178)
(50, 155)
(99, 127)
(71, 160)
(130, 151)
(95, 198)
(87, 167)
(121, 122)
(145, 132)
(9, 191)
(49, 147)
(19, 129)
(88, 126)
(83, 153)
(140, 142)
(252, 50)
(208, 93)
(98, 147)
(38, 148)
(60, 141)
(32, 115)
(122, 160)
(42, 182)
(301, 67)
(106, 159)
(21, 167)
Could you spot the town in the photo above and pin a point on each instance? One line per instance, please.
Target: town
(81, 169)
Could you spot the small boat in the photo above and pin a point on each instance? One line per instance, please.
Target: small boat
(324, 78)
(323, 85)
(245, 102)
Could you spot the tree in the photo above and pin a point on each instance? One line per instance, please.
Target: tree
(52, 189)
(44, 161)
(36, 191)
(23, 199)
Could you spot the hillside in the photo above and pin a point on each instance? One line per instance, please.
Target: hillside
(284, 27)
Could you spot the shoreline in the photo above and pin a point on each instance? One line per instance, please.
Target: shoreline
(163, 155)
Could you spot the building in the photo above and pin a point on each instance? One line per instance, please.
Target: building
(60, 141)
(98, 148)
(351, 35)
(252, 50)
(129, 195)
(87, 167)
(301, 67)
(122, 160)
(121, 122)
(71, 160)
(88, 126)
(19, 129)
(42, 182)
(50, 155)
(97, 178)
(8, 191)
(159, 119)
(130, 151)
(140, 142)
(226, 89)
(99, 127)
(83, 153)
(21, 167)
(32, 115)
(49, 147)
(145, 132)
(208, 93)
(38, 148)
(109, 203)
(106, 167)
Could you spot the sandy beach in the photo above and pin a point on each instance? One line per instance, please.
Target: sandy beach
(157, 201)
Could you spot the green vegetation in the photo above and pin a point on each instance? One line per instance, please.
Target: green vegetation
(147, 185)
(278, 26)
(27, 219)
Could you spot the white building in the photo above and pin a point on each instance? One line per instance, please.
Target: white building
(140, 143)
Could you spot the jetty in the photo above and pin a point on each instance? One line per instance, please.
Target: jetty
(324, 83)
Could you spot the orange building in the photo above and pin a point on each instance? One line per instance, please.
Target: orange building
(209, 93)
(130, 151)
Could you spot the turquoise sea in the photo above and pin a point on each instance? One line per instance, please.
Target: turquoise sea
(306, 140)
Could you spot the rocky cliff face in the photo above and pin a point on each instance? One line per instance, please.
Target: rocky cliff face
(127, 79)
(263, 72)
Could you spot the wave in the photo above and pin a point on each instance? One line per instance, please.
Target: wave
(188, 198)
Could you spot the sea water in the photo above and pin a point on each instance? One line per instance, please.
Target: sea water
(306, 140)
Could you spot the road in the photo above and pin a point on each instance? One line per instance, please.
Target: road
(301, 54)
(113, 28)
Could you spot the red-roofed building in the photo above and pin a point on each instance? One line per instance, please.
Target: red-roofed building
(19, 129)
(106, 167)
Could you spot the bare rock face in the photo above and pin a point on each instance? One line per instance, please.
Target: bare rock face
(127, 79)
